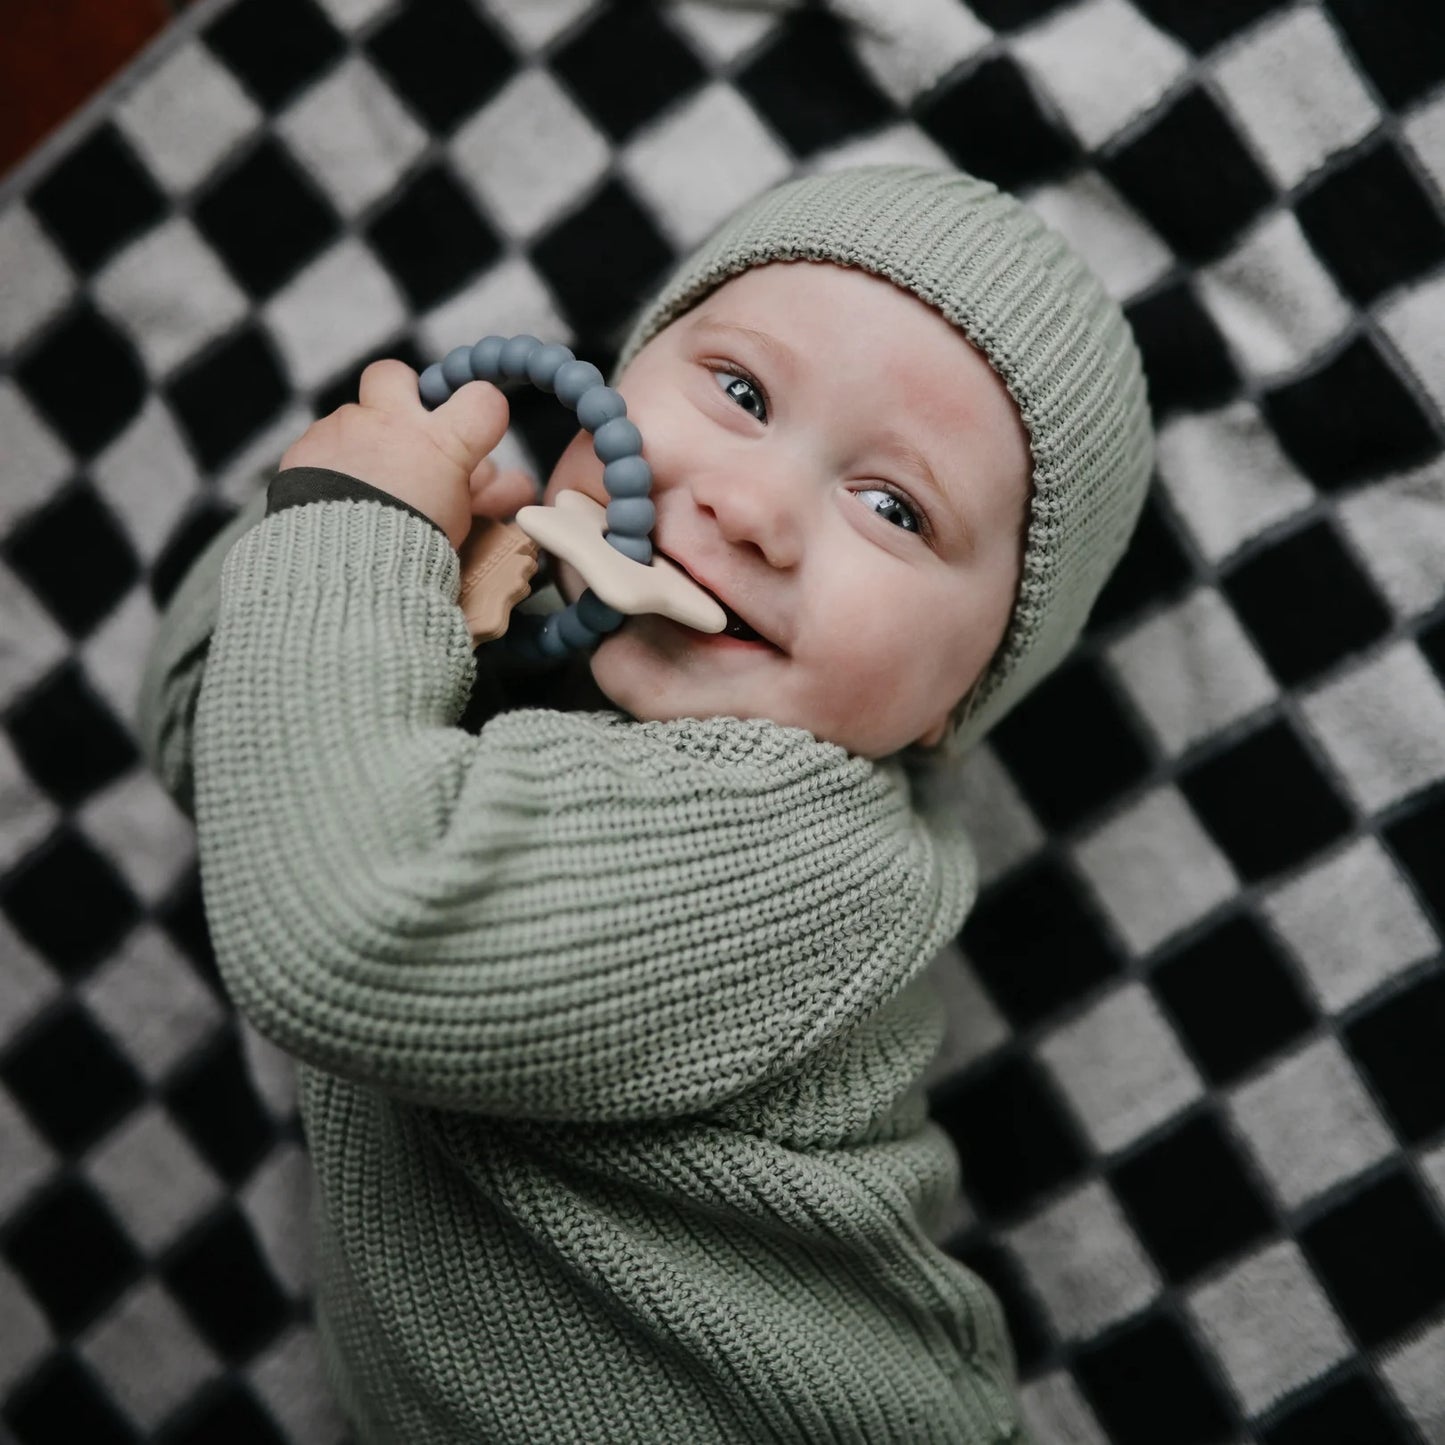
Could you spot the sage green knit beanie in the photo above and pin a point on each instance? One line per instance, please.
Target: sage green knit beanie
(1060, 344)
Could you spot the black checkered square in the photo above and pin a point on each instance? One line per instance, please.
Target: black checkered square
(1200, 982)
(991, 123)
(1037, 944)
(1020, 1141)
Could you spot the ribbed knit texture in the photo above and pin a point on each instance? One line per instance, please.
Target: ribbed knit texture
(1061, 345)
(610, 1033)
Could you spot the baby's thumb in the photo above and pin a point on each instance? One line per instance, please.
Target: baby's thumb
(470, 423)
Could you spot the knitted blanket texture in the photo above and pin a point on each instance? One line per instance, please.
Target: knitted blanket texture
(609, 1034)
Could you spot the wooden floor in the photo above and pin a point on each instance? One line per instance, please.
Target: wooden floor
(57, 53)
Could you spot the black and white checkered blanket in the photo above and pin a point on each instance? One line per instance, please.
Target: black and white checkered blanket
(1198, 1016)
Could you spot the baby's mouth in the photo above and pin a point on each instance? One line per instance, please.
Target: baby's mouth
(736, 628)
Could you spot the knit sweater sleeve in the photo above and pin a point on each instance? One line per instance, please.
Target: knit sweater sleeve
(565, 916)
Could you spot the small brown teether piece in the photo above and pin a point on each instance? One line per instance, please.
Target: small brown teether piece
(498, 560)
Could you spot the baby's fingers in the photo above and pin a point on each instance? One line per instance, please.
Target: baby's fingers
(500, 494)
(469, 423)
(390, 386)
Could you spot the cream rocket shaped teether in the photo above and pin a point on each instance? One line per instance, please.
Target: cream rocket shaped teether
(573, 530)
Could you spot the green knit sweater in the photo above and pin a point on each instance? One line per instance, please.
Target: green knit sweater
(609, 1034)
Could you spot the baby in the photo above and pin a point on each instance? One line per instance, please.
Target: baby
(611, 1023)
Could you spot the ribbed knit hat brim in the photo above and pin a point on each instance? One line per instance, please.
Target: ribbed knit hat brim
(1055, 337)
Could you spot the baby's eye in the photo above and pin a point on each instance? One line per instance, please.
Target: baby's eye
(746, 393)
(895, 509)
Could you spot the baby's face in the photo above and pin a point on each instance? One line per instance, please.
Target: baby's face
(791, 421)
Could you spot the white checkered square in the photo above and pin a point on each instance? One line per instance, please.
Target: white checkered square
(34, 281)
(27, 810)
(1425, 133)
(148, 1354)
(723, 33)
(530, 154)
(290, 1380)
(1296, 93)
(1415, 322)
(272, 1071)
(1120, 1068)
(31, 642)
(1106, 231)
(1273, 300)
(32, 460)
(126, 1165)
(1398, 528)
(536, 23)
(1084, 1262)
(148, 477)
(277, 1201)
(908, 45)
(1383, 725)
(341, 306)
(1190, 670)
(510, 299)
(29, 1160)
(148, 998)
(1056, 1413)
(170, 294)
(1001, 825)
(1415, 1371)
(186, 116)
(1269, 1324)
(710, 157)
(1432, 1167)
(353, 135)
(115, 653)
(1351, 923)
(26, 1337)
(1102, 63)
(1227, 477)
(1309, 1123)
(141, 831)
(1154, 869)
(353, 15)
(29, 983)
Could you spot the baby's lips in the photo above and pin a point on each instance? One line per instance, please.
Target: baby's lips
(573, 529)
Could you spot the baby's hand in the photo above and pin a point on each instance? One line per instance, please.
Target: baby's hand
(436, 461)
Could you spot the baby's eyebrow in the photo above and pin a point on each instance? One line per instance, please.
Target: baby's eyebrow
(779, 351)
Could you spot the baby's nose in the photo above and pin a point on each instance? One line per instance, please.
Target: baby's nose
(754, 505)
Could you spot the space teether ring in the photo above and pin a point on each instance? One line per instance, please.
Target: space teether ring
(612, 549)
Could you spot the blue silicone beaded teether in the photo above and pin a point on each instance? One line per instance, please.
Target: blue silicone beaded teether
(579, 385)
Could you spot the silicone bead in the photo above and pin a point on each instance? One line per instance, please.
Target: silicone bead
(615, 439)
(627, 477)
(516, 354)
(433, 386)
(574, 380)
(549, 640)
(576, 633)
(638, 548)
(600, 404)
(542, 368)
(457, 366)
(632, 516)
(487, 358)
(597, 614)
